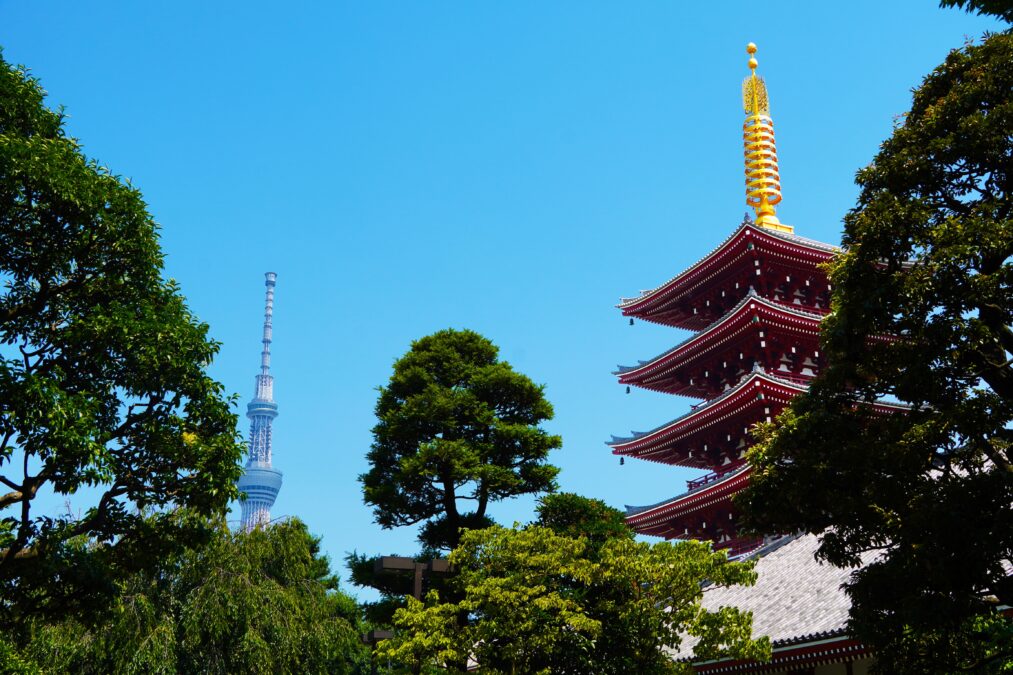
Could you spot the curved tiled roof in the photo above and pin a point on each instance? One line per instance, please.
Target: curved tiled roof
(804, 241)
(637, 510)
(751, 296)
(746, 223)
(707, 405)
(795, 599)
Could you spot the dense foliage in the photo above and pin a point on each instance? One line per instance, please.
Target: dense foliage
(1002, 9)
(927, 263)
(456, 429)
(103, 378)
(572, 515)
(455, 425)
(257, 602)
(572, 593)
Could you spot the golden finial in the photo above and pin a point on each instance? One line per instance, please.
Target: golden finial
(763, 182)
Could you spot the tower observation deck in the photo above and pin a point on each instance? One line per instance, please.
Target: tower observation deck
(260, 481)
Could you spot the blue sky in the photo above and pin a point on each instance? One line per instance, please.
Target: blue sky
(513, 168)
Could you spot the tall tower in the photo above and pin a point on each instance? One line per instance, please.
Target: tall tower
(261, 481)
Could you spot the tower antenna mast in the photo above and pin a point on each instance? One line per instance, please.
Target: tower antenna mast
(260, 481)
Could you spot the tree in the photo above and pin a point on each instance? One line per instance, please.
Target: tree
(999, 8)
(536, 601)
(626, 643)
(927, 263)
(455, 425)
(263, 601)
(571, 515)
(103, 378)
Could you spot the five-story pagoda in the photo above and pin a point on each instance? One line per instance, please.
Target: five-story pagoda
(755, 302)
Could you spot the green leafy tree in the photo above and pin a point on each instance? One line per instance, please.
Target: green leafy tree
(12, 662)
(999, 8)
(538, 602)
(927, 261)
(624, 643)
(103, 380)
(456, 426)
(263, 601)
(572, 515)
(457, 429)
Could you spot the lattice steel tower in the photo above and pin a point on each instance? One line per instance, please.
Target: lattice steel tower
(261, 481)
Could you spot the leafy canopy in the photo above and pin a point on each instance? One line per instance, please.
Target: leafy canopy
(572, 515)
(542, 599)
(263, 601)
(927, 261)
(456, 426)
(103, 378)
(1002, 9)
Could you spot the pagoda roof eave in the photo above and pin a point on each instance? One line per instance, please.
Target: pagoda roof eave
(626, 303)
(644, 517)
(637, 305)
(629, 372)
(646, 444)
(623, 445)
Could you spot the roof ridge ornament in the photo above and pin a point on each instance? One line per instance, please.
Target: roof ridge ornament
(763, 181)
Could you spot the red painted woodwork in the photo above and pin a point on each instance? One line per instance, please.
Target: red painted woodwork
(777, 265)
(756, 302)
(779, 338)
(715, 432)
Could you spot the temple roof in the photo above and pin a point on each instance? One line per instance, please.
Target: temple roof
(650, 304)
(656, 519)
(715, 335)
(795, 599)
(716, 409)
(637, 510)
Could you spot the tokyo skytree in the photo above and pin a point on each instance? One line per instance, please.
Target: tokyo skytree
(261, 481)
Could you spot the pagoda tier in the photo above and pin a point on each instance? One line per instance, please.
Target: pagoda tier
(778, 265)
(714, 434)
(704, 512)
(756, 332)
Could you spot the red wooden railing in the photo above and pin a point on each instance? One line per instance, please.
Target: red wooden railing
(714, 476)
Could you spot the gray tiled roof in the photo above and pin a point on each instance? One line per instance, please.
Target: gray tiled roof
(794, 597)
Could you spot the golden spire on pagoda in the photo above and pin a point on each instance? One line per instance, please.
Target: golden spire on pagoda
(763, 182)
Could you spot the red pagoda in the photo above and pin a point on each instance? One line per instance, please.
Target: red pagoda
(755, 304)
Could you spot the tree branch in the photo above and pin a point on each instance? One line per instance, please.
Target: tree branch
(19, 551)
(45, 294)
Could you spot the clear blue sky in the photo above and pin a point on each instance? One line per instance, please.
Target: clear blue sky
(510, 167)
